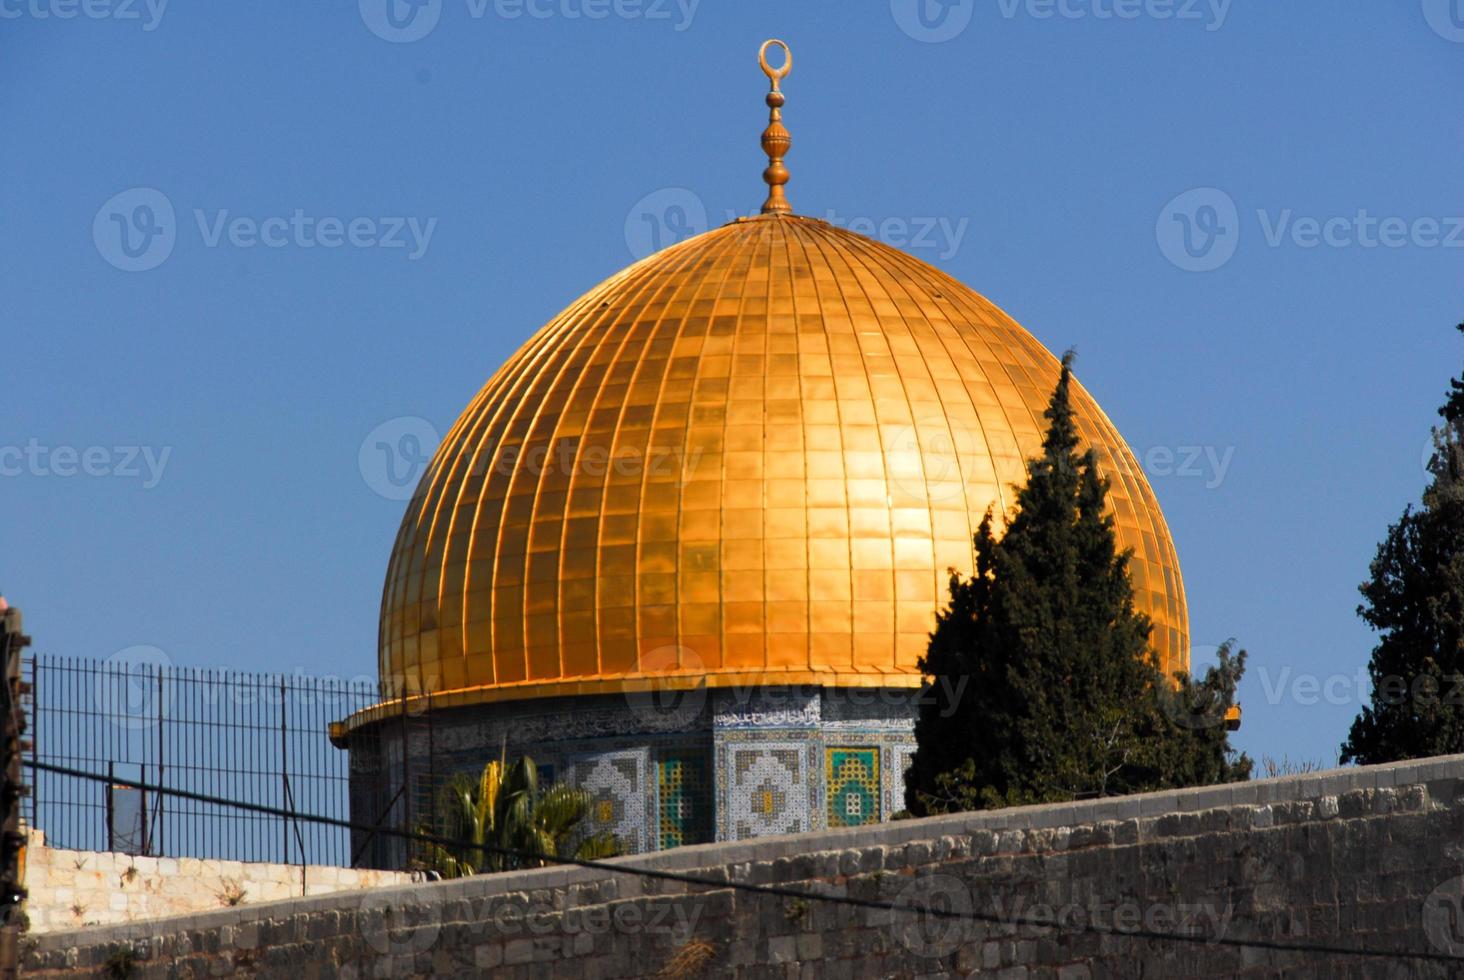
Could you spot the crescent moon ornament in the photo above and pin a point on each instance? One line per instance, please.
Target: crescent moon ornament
(775, 139)
(776, 74)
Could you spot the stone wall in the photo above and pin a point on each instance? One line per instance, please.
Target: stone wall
(1361, 858)
(70, 889)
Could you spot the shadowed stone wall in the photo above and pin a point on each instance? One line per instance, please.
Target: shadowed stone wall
(1367, 857)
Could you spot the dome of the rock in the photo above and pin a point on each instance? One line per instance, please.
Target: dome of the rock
(751, 458)
(743, 470)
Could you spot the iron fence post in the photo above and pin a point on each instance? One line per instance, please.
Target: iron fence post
(161, 725)
(431, 765)
(406, 777)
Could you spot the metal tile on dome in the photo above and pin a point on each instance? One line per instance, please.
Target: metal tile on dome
(767, 449)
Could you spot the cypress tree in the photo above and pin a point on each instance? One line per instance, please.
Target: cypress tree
(1414, 599)
(1046, 688)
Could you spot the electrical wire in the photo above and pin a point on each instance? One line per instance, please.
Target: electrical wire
(777, 891)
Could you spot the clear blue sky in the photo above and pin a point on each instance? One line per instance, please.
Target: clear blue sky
(529, 151)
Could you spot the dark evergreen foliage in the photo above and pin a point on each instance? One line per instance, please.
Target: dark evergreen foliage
(1045, 687)
(1414, 599)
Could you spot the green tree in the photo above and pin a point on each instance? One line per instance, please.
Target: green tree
(502, 809)
(1414, 599)
(1045, 686)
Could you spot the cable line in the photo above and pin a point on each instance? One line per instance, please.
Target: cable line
(777, 891)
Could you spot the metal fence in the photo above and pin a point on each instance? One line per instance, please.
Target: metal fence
(397, 772)
(256, 738)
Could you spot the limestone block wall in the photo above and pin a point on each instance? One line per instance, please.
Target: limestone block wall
(72, 889)
(1192, 883)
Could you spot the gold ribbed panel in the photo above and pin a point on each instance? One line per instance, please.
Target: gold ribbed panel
(808, 426)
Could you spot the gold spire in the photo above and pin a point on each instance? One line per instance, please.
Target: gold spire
(775, 139)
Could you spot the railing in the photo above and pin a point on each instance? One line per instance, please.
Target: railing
(257, 738)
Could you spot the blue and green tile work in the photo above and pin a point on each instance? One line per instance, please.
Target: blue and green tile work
(685, 784)
(852, 777)
(714, 765)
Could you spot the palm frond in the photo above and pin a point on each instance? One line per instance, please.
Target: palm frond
(560, 808)
(598, 846)
(505, 808)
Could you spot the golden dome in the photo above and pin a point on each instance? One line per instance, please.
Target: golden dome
(748, 459)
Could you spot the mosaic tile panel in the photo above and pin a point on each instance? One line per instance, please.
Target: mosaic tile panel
(759, 766)
(870, 710)
(902, 757)
(767, 789)
(852, 778)
(685, 784)
(783, 706)
(617, 786)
